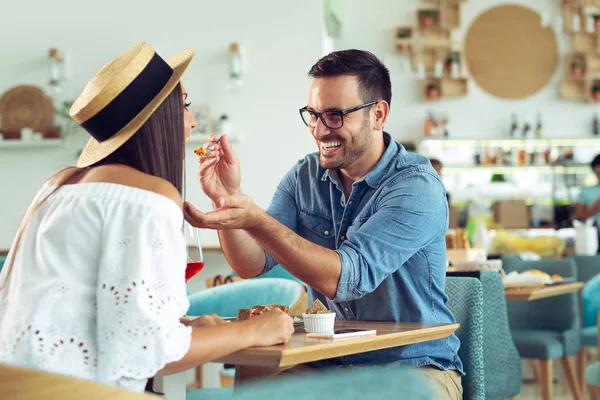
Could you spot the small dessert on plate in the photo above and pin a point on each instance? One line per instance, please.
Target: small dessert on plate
(318, 319)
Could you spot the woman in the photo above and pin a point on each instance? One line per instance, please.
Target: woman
(94, 284)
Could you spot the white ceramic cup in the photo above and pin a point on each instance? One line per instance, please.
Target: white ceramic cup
(319, 323)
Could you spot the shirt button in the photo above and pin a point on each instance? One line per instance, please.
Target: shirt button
(343, 237)
(342, 202)
(326, 233)
(346, 309)
(350, 202)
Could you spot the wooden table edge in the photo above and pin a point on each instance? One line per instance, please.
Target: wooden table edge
(290, 357)
(543, 292)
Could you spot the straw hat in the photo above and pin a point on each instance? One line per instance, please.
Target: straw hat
(120, 97)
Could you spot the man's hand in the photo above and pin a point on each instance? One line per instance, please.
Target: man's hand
(219, 173)
(232, 212)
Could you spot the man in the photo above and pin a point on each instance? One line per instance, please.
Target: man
(437, 165)
(362, 221)
(588, 202)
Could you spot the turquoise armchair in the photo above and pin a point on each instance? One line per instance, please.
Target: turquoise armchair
(225, 300)
(465, 300)
(501, 361)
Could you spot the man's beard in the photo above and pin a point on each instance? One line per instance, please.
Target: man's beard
(353, 150)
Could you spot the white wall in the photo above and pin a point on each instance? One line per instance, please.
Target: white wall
(280, 39)
(370, 24)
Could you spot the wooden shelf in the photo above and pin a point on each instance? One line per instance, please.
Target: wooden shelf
(30, 144)
(573, 89)
(429, 21)
(454, 87)
(427, 57)
(583, 42)
(403, 38)
(451, 16)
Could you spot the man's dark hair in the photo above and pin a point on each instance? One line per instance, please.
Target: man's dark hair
(373, 77)
(595, 162)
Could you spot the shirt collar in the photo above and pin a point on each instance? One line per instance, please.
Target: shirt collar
(376, 175)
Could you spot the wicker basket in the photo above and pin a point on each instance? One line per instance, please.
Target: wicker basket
(25, 107)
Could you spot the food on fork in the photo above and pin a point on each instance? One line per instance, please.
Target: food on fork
(201, 151)
(205, 151)
(317, 308)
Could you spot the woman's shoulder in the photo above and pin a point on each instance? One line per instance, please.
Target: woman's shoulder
(121, 175)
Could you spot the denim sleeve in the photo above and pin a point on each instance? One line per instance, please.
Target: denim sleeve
(283, 208)
(410, 213)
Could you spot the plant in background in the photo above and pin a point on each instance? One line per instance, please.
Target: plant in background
(432, 91)
(428, 17)
(64, 123)
(578, 66)
(452, 61)
(403, 33)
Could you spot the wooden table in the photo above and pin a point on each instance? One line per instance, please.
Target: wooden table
(536, 293)
(20, 383)
(261, 362)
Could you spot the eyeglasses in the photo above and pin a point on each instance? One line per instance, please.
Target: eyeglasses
(332, 119)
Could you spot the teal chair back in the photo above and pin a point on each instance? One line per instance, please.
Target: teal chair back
(587, 267)
(225, 300)
(502, 363)
(465, 300)
(2, 259)
(525, 315)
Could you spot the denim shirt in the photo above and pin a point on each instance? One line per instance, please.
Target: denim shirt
(390, 236)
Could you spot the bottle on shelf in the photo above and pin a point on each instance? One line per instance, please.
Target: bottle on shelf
(477, 156)
(538, 127)
(526, 129)
(429, 125)
(507, 156)
(595, 125)
(446, 131)
(224, 124)
(513, 126)
(569, 154)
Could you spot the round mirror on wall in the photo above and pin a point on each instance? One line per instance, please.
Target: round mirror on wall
(509, 54)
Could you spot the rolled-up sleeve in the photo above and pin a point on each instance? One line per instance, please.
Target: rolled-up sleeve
(409, 213)
(283, 208)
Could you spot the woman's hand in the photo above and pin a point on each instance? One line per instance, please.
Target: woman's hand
(205, 320)
(219, 173)
(270, 328)
(232, 212)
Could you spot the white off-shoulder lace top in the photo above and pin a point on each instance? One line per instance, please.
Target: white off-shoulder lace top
(97, 287)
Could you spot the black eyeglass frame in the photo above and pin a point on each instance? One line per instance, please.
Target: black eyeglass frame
(341, 113)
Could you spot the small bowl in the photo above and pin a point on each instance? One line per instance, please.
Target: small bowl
(319, 323)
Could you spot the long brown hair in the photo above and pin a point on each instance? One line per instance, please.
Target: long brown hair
(157, 149)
